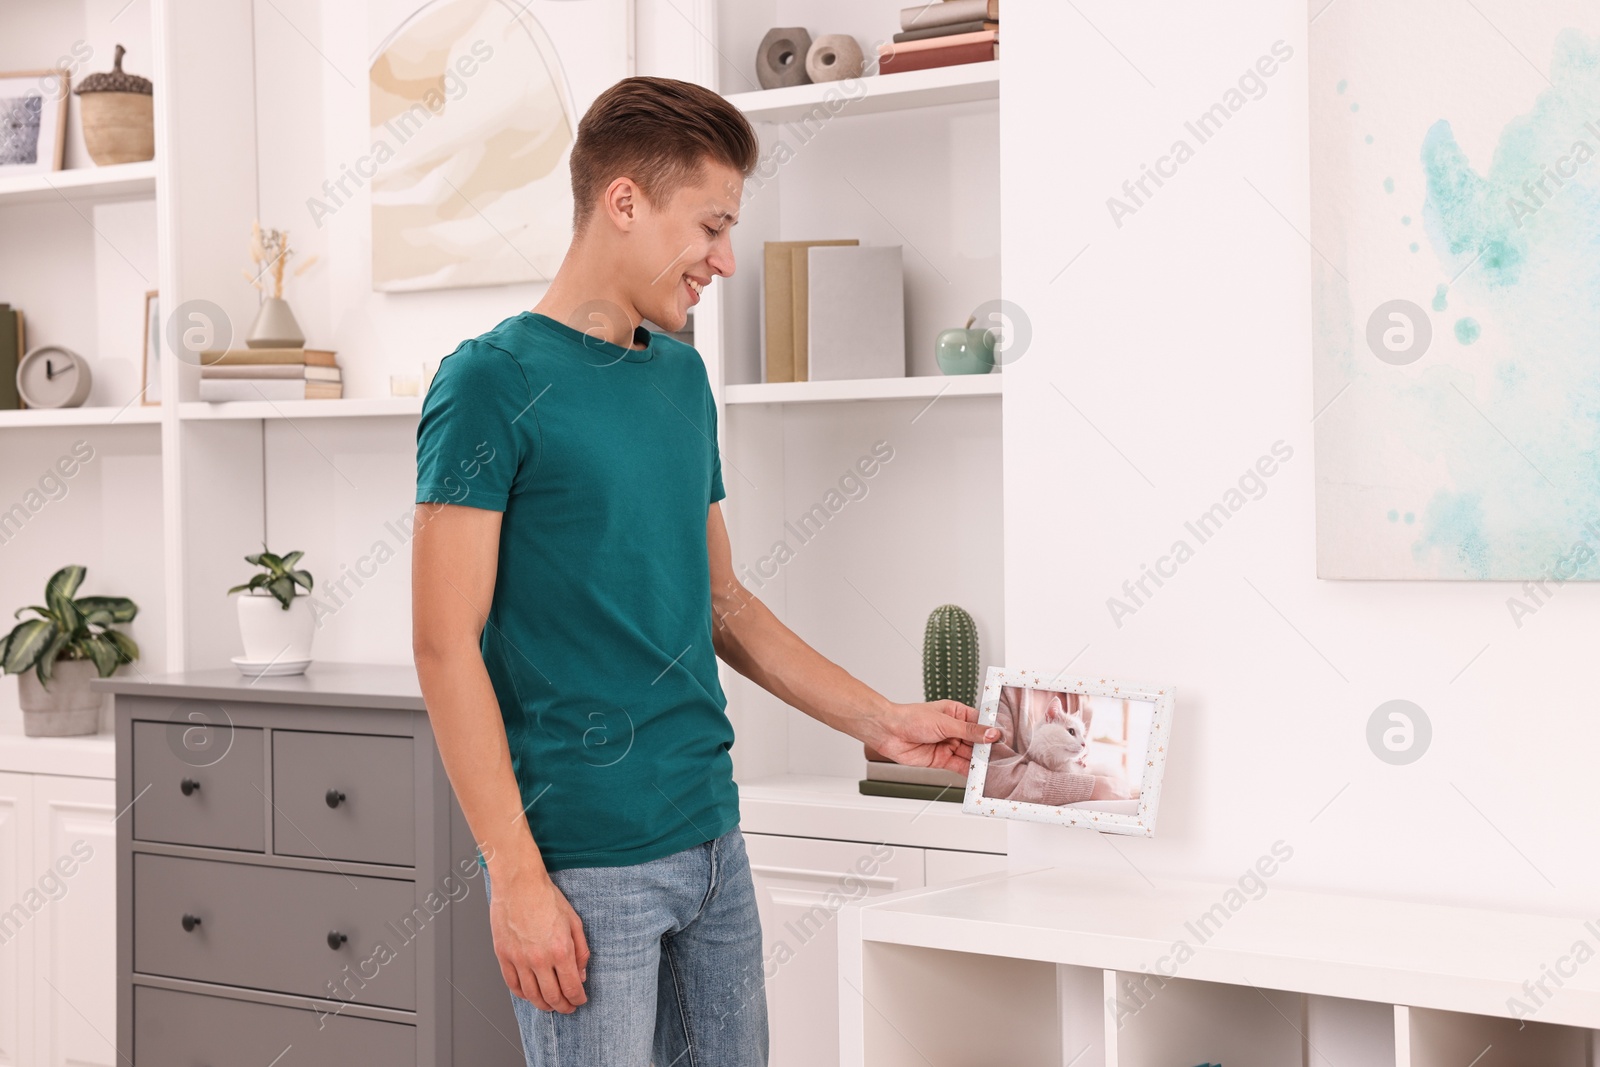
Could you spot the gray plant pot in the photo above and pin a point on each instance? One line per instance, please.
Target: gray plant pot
(66, 708)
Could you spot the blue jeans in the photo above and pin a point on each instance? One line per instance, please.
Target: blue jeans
(675, 966)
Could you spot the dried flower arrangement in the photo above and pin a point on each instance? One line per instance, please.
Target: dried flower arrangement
(270, 251)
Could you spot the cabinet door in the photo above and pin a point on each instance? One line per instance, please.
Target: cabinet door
(801, 883)
(74, 874)
(947, 865)
(16, 920)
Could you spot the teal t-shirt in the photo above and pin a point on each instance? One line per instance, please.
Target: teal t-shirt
(604, 461)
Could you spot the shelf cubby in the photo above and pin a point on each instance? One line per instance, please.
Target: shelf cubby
(1432, 1038)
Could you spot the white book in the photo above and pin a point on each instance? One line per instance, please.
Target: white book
(856, 320)
(252, 388)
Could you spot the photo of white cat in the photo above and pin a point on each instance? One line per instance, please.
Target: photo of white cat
(1068, 749)
(1074, 751)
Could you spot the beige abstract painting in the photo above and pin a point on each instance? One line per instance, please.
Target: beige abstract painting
(473, 118)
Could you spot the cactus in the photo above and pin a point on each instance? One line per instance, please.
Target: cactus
(950, 656)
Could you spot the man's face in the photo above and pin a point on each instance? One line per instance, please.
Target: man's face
(685, 242)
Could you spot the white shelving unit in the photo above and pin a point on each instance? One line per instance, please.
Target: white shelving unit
(1070, 968)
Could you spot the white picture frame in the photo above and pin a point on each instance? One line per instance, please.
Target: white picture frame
(33, 121)
(1133, 731)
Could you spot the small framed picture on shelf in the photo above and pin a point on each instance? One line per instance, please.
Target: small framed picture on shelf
(150, 378)
(33, 121)
(1072, 751)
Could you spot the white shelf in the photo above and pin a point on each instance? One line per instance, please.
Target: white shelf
(344, 408)
(132, 415)
(929, 385)
(885, 92)
(1362, 948)
(810, 805)
(122, 181)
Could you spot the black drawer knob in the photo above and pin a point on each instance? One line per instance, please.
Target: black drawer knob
(188, 785)
(335, 939)
(190, 922)
(334, 798)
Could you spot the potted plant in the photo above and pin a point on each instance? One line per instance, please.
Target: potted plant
(275, 618)
(56, 654)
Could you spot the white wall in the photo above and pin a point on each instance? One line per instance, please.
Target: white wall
(1183, 337)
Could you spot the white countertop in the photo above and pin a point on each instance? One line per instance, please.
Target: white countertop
(1365, 948)
(86, 756)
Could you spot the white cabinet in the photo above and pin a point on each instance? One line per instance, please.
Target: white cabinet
(801, 883)
(57, 921)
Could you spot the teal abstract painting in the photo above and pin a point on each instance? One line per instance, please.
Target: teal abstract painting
(1455, 233)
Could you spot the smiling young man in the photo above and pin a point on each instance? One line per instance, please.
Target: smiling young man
(572, 589)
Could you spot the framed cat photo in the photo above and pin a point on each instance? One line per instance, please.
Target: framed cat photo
(1074, 751)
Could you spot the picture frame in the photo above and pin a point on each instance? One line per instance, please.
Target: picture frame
(150, 373)
(33, 121)
(1086, 752)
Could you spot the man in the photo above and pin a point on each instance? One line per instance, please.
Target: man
(572, 589)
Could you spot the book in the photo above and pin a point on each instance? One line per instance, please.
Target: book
(909, 791)
(319, 357)
(10, 352)
(944, 12)
(945, 31)
(303, 371)
(883, 771)
(947, 41)
(927, 59)
(215, 389)
(856, 314)
(777, 306)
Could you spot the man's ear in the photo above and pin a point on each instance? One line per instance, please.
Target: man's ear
(621, 203)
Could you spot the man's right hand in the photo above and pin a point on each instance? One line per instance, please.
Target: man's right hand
(539, 941)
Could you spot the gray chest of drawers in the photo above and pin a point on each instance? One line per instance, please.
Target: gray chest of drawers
(295, 882)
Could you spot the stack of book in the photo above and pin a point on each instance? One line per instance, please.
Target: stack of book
(885, 778)
(269, 374)
(943, 33)
(832, 310)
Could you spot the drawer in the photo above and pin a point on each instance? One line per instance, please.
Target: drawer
(343, 797)
(269, 928)
(173, 1029)
(200, 785)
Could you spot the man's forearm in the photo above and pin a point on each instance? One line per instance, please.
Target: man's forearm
(754, 642)
(471, 736)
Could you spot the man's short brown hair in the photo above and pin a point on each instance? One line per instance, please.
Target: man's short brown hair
(660, 132)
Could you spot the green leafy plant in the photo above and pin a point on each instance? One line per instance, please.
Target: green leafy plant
(950, 656)
(68, 628)
(278, 576)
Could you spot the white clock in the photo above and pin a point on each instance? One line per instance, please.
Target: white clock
(53, 377)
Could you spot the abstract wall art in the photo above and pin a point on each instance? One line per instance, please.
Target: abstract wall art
(1455, 232)
(474, 107)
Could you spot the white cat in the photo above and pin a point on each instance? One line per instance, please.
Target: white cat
(1060, 739)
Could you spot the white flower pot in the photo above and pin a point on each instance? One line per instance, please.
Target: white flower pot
(273, 634)
(66, 707)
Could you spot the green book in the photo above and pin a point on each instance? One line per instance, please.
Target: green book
(911, 790)
(9, 400)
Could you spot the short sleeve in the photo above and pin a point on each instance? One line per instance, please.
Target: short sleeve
(717, 491)
(476, 427)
